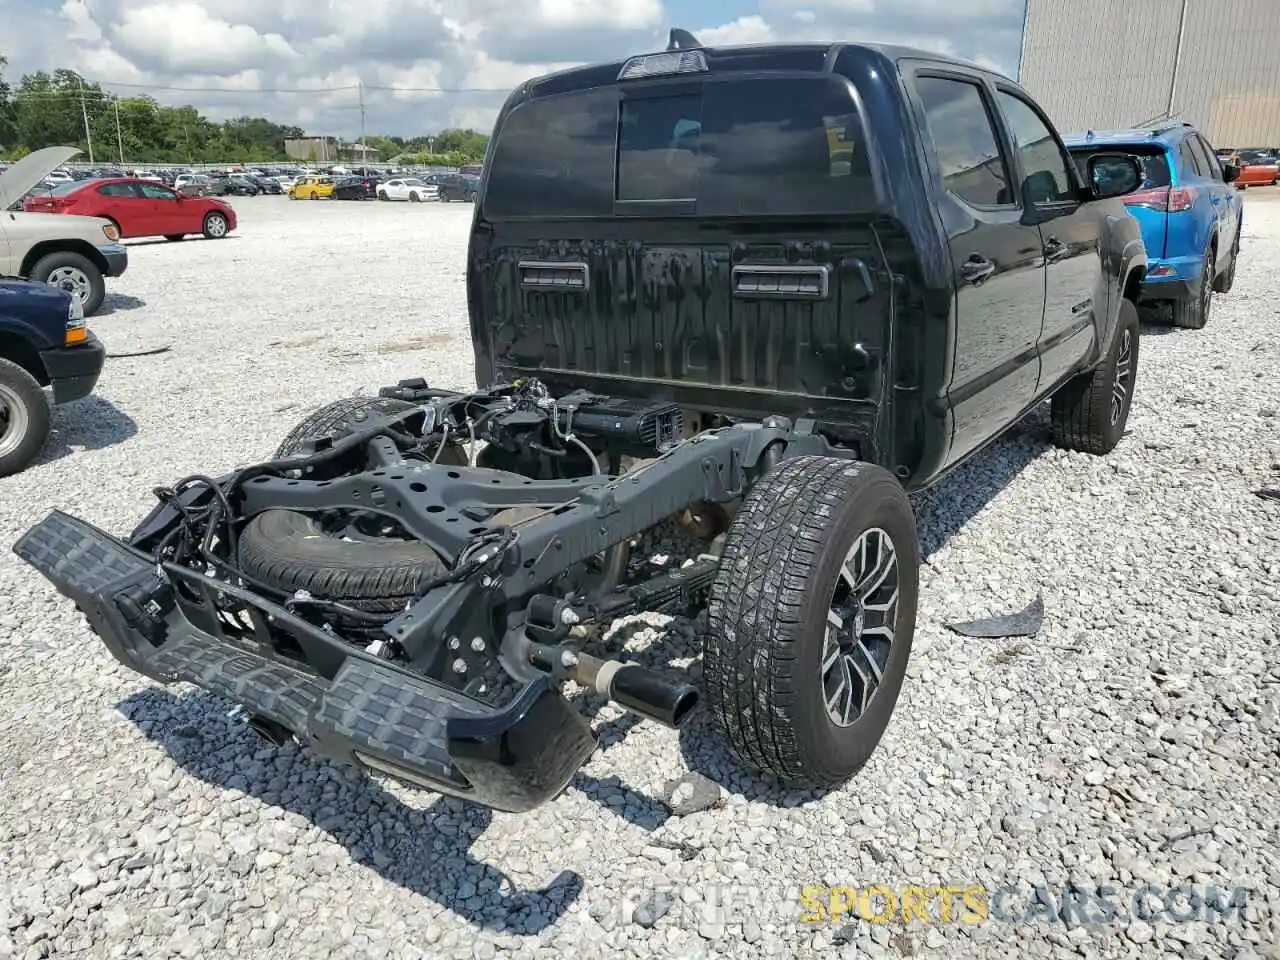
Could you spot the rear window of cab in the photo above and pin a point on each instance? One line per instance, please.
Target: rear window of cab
(736, 147)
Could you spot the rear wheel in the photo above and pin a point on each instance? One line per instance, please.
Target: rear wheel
(811, 619)
(24, 418)
(1089, 412)
(1192, 313)
(1226, 280)
(382, 195)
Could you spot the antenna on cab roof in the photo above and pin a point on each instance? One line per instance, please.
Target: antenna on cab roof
(682, 40)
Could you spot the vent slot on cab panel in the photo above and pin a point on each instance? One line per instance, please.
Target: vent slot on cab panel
(790, 282)
(550, 275)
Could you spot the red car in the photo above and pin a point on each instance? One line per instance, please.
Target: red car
(139, 208)
(1258, 168)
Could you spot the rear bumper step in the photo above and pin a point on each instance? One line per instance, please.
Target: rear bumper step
(369, 714)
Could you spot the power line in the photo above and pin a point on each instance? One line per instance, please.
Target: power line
(357, 86)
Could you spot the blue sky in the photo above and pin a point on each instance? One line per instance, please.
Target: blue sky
(231, 57)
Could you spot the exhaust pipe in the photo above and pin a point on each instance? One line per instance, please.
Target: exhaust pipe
(635, 688)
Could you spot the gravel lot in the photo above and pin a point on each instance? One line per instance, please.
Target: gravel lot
(1132, 743)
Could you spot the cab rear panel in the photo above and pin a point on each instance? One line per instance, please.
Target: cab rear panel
(607, 256)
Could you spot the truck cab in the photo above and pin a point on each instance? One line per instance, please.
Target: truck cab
(891, 246)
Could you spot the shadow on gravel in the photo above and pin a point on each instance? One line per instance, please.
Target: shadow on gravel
(117, 302)
(944, 510)
(189, 238)
(89, 424)
(425, 851)
(1156, 320)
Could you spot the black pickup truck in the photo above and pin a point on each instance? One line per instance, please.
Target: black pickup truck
(759, 293)
(43, 343)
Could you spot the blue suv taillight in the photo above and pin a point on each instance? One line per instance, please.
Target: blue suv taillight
(1164, 199)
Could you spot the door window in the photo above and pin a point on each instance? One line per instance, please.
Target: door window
(964, 141)
(154, 192)
(117, 190)
(1187, 160)
(1044, 165)
(1206, 158)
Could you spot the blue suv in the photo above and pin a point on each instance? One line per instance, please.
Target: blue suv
(1189, 211)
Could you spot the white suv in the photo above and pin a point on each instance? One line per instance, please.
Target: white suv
(61, 249)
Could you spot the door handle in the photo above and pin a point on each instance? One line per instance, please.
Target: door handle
(976, 269)
(1054, 248)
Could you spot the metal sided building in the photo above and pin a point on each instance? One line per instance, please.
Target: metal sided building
(1110, 64)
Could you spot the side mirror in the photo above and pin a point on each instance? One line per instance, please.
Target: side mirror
(1114, 175)
(1230, 172)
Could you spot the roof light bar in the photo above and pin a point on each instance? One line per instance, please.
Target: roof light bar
(664, 64)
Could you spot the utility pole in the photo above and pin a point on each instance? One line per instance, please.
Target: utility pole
(364, 152)
(84, 112)
(119, 136)
(1177, 60)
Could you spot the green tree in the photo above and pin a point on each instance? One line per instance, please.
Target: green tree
(45, 109)
(8, 114)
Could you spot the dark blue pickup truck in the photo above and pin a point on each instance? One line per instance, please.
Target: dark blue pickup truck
(44, 342)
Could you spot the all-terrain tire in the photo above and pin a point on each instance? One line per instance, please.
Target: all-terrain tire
(342, 417)
(24, 418)
(1227, 279)
(95, 285)
(290, 551)
(768, 617)
(1087, 412)
(1192, 313)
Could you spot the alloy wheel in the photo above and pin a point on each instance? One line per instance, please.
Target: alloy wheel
(1120, 383)
(860, 629)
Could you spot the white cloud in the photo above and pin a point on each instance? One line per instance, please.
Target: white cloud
(184, 37)
(752, 29)
(405, 51)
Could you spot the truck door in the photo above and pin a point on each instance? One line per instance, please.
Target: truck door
(1070, 231)
(999, 267)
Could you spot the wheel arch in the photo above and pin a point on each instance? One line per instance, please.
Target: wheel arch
(1133, 281)
(18, 349)
(43, 248)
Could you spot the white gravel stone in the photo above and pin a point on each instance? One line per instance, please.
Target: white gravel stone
(1131, 743)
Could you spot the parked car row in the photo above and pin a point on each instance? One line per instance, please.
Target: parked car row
(445, 187)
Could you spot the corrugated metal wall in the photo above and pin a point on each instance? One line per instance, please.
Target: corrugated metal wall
(1105, 64)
